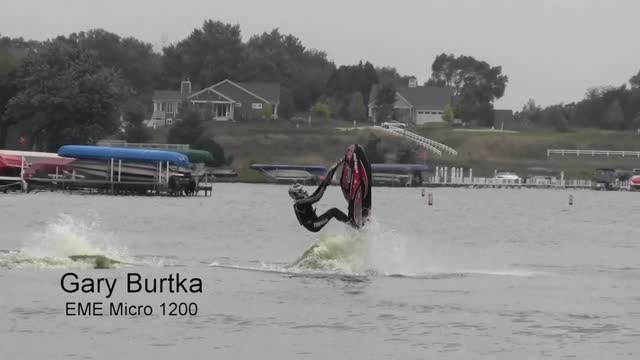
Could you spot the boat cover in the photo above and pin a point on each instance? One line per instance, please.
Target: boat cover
(128, 154)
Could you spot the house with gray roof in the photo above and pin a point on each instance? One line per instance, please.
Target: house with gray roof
(419, 104)
(504, 119)
(225, 101)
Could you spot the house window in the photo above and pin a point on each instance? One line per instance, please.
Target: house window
(170, 107)
(238, 104)
(169, 121)
(256, 106)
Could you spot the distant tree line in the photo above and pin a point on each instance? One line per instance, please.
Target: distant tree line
(85, 86)
(75, 89)
(608, 107)
(88, 85)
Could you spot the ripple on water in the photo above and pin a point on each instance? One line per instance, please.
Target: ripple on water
(334, 326)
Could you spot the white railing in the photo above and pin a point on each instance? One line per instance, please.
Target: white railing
(564, 152)
(454, 176)
(426, 142)
(493, 182)
(18, 179)
(433, 143)
(425, 145)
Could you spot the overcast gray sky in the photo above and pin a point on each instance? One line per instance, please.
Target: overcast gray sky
(552, 50)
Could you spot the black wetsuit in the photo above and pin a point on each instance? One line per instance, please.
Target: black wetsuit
(306, 214)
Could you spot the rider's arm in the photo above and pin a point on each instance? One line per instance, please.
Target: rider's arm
(332, 171)
(317, 195)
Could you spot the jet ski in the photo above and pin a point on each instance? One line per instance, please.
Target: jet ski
(355, 182)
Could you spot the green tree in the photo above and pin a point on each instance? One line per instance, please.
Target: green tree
(385, 101)
(267, 112)
(188, 129)
(615, 116)
(373, 151)
(210, 54)
(67, 96)
(336, 107)
(286, 108)
(138, 64)
(209, 144)
(636, 121)
(274, 56)
(8, 89)
(321, 110)
(349, 79)
(357, 110)
(448, 115)
(557, 118)
(133, 114)
(475, 83)
(635, 81)
(390, 75)
(531, 112)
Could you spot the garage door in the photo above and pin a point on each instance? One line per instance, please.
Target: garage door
(423, 117)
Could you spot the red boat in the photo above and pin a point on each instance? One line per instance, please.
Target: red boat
(634, 182)
(10, 165)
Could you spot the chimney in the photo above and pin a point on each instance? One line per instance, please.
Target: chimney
(413, 82)
(185, 87)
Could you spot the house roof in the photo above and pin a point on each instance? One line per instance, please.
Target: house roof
(268, 91)
(167, 95)
(502, 116)
(421, 97)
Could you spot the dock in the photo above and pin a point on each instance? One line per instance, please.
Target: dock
(165, 181)
(457, 177)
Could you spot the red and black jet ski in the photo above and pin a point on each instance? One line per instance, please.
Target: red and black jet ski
(356, 184)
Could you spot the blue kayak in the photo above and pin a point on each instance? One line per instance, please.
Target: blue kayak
(107, 153)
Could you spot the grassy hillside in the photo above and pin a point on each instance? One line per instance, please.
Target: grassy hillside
(303, 145)
(486, 151)
(529, 145)
(325, 142)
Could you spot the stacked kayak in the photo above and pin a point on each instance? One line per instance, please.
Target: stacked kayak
(129, 164)
(149, 156)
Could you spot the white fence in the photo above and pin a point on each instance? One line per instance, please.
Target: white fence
(564, 152)
(458, 177)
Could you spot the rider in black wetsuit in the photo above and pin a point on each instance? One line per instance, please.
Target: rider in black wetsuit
(303, 205)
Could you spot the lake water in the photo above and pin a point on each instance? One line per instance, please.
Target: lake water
(482, 274)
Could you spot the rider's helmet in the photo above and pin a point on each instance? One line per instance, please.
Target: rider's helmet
(297, 192)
